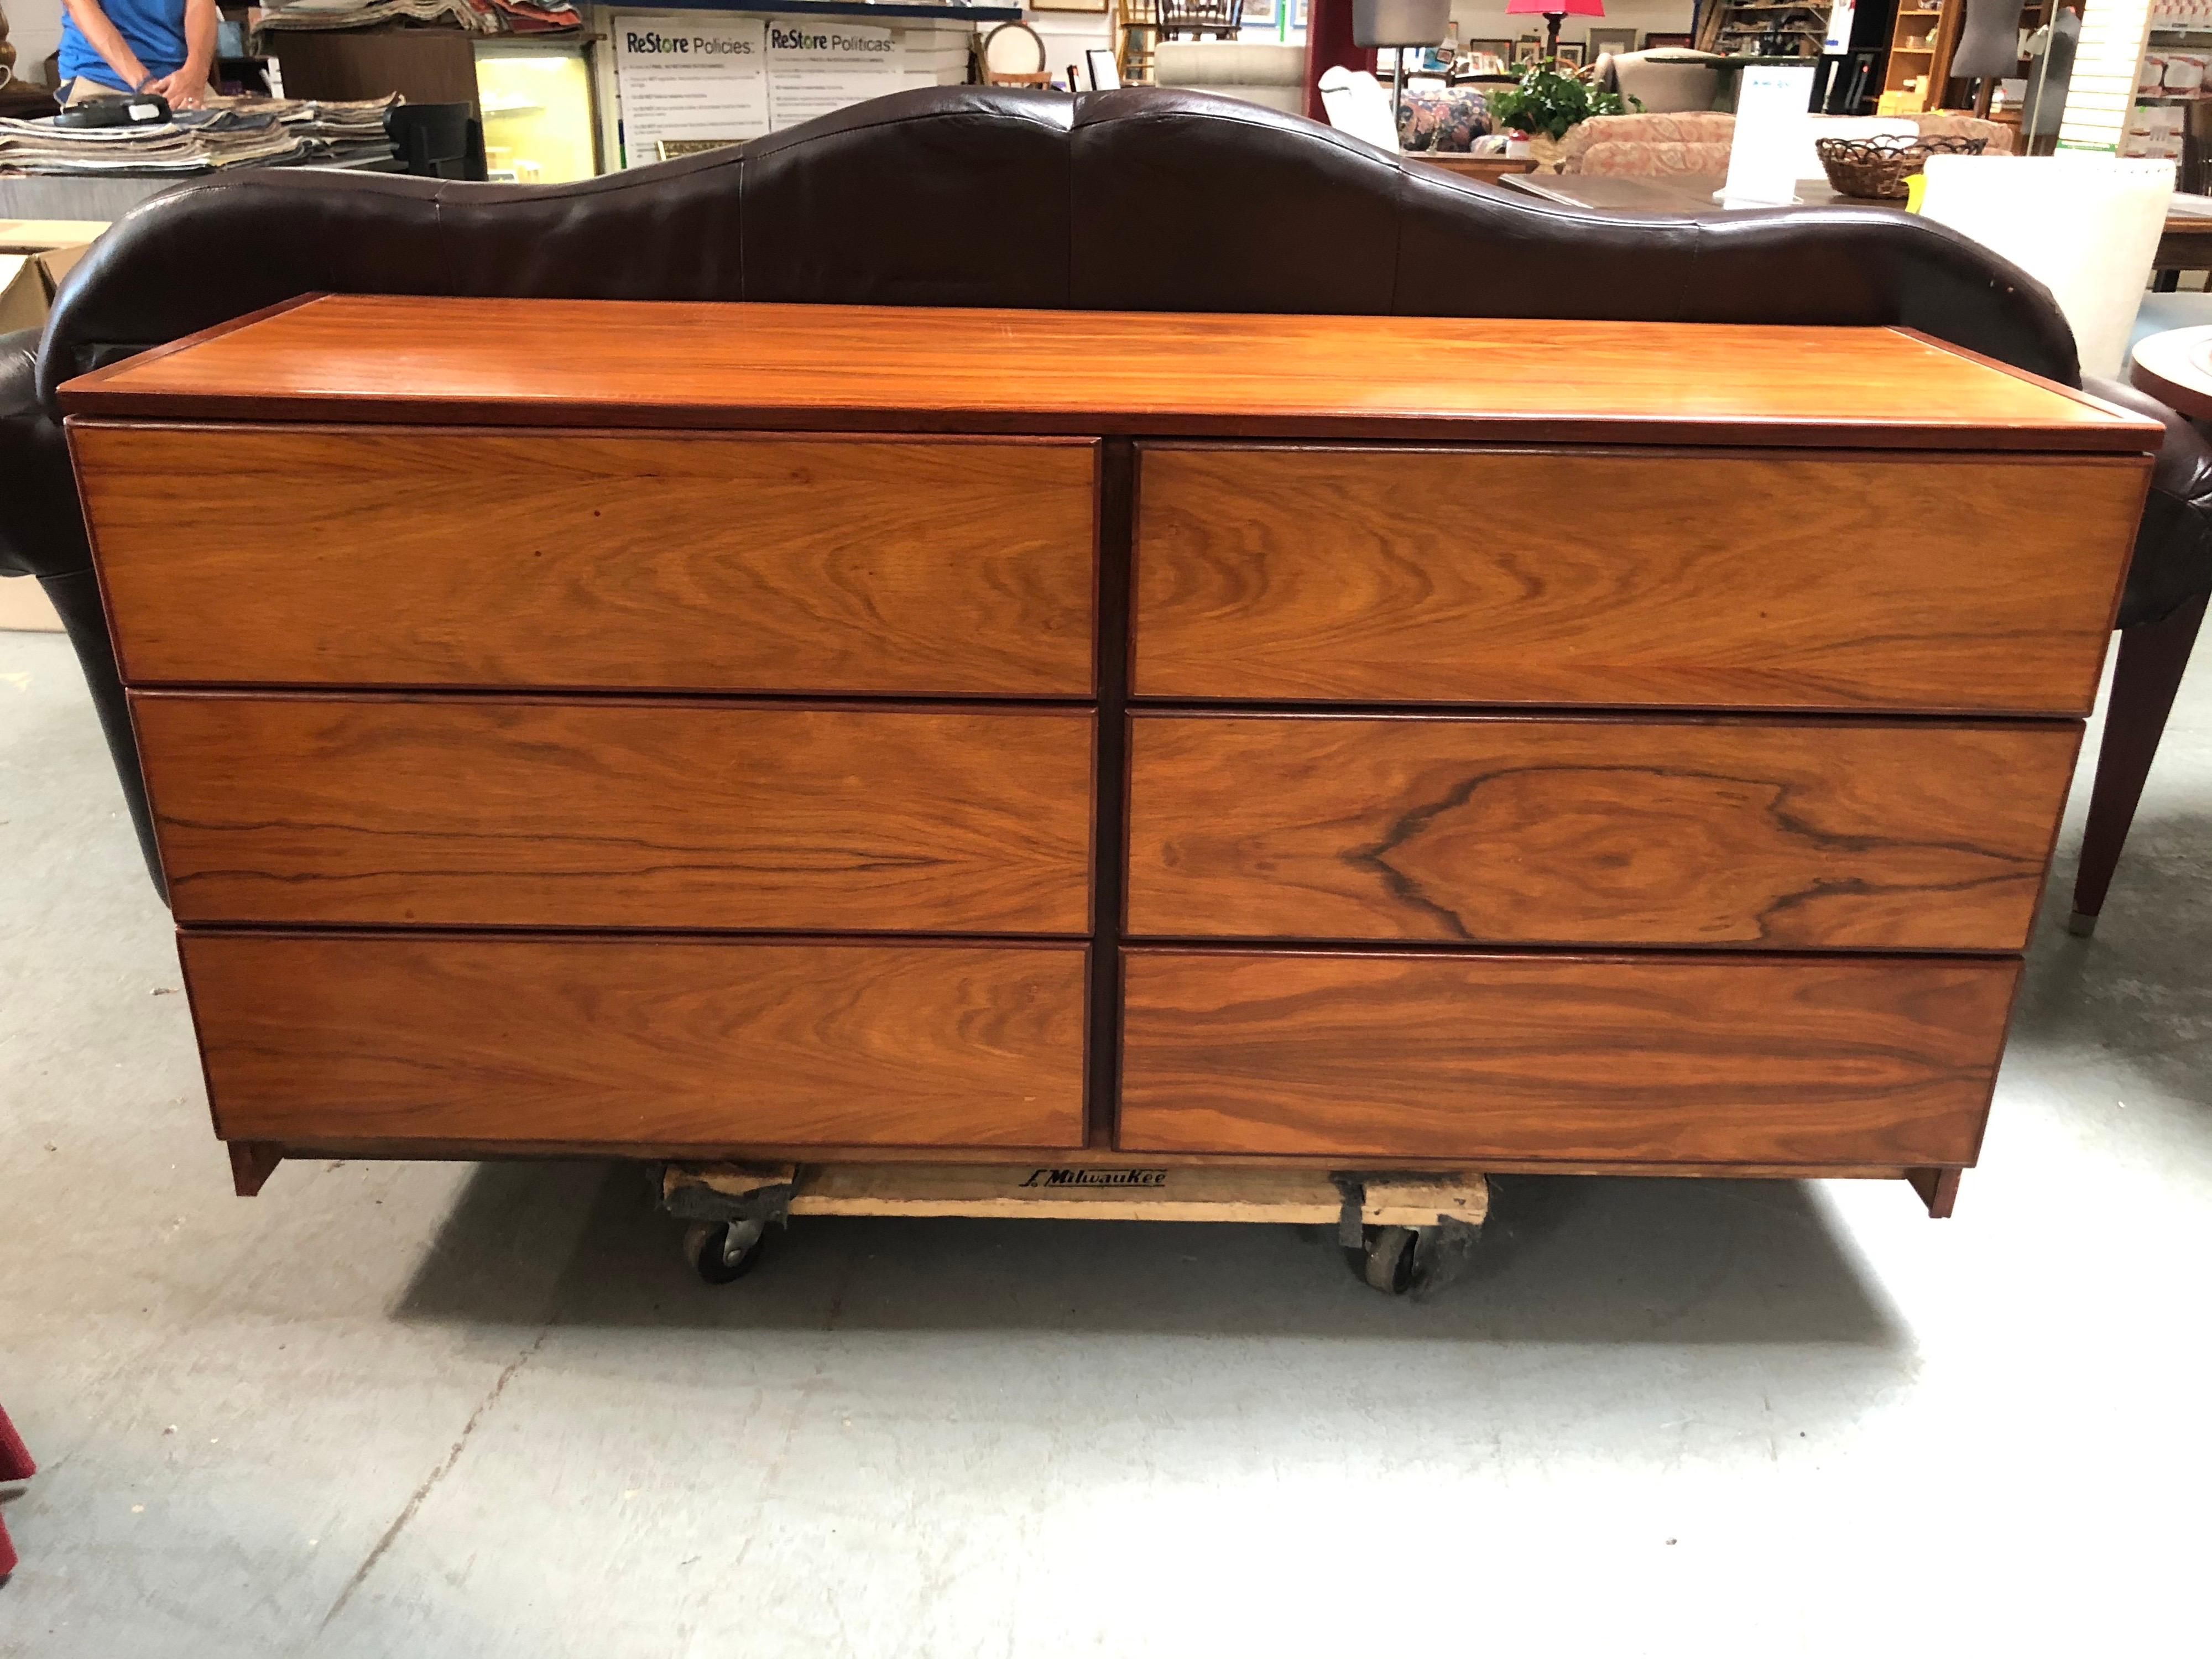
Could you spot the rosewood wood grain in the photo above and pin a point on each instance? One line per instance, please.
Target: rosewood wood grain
(625, 561)
(605, 1041)
(366, 357)
(1665, 1060)
(488, 812)
(1790, 833)
(1687, 580)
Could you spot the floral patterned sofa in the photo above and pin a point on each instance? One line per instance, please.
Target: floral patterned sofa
(1648, 146)
(1444, 121)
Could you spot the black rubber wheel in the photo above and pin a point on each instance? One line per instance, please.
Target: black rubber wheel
(719, 1253)
(1386, 1261)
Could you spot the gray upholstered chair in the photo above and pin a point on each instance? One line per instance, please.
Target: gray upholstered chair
(1666, 83)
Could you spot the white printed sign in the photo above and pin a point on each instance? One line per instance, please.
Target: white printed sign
(818, 65)
(1840, 18)
(1770, 111)
(739, 77)
(690, 77)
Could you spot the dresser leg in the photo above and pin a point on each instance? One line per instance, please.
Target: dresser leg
(1938, 1191)
(252, 1162)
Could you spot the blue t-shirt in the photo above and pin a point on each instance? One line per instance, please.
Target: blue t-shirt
(153, 28)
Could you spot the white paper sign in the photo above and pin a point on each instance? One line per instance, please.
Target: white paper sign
(699, 76)
(1840, 17)
(1769, 132)
(819, 65)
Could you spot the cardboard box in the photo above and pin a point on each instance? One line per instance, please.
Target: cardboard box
(35, 254)
(25, 608)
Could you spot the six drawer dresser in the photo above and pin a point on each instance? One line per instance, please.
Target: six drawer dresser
(794, 731)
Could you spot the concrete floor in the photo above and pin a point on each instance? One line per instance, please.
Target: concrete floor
(431, 1410)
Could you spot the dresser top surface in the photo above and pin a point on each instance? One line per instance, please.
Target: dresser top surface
(735, 366)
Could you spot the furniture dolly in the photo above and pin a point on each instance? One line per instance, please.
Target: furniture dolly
(803, 736)
(1397, 1231)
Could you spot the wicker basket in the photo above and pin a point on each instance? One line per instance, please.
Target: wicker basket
(1876, 169)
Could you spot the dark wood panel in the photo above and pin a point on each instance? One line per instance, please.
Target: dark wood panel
(1562, 577)
(353, 557)
(590, 1042)
(324, 1145)
(1774, 1060)
(372, 357)
(609, 814)
(1624, 831)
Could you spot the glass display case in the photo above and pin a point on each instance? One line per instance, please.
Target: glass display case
(538, 121)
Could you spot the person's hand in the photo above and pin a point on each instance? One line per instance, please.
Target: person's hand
(185, 88)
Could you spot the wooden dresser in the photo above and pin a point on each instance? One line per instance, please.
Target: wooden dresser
(809, 732)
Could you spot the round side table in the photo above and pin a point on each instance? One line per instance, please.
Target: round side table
(2176, 368)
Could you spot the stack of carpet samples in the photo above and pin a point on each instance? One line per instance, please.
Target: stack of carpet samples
(483, 17)
(229, 133)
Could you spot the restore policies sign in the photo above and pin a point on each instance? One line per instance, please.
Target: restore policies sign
(816, 65)
(695, 77)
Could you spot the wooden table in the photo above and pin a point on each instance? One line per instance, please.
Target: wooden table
(2176, 368)
(807, 733)
(1490, 169)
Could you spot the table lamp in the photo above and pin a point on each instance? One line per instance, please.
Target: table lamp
(1399, 24)
(1554, 12)
(2086, 227)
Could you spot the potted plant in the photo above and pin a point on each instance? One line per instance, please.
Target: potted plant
(1544, 104)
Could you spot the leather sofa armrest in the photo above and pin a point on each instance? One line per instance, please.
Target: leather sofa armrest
(41, 533)
(2173, 543)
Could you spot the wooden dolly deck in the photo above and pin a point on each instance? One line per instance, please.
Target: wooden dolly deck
(1399, 1230)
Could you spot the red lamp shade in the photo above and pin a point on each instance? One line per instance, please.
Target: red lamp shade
(1562, 8)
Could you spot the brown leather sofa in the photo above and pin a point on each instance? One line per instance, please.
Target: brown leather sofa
(1141, 199)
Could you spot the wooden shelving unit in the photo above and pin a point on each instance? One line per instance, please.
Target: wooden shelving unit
(1917, 70)
(1920, 42)
(1778, 28)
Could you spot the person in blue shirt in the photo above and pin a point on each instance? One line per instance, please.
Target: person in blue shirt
(161, 47)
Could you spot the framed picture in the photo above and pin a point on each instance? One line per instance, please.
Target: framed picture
(1490, 57)
(1656, 42)
(1573, 54)
(1105, 74)
(1099, 6)
(1602, 41)
(1298, 14)
(1259, 15)
(1528, 49)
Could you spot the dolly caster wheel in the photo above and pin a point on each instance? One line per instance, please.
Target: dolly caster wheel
(723, 1251)
(1385, 1260)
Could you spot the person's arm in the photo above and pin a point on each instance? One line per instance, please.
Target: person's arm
(104, 38)
(187, 89)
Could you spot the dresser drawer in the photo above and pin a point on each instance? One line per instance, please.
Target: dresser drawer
(335, 555)
(543, 812)
(1688, 580)
(1805, 833)
(1835, 1061)
(607, 1043)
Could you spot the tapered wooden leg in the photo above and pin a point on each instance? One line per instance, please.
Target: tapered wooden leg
(2152, 659)
(1938, 1191)
(252, 1162)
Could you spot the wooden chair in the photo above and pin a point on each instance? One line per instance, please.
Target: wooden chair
(1198, 18)
(1136, 31)
(1012, 55)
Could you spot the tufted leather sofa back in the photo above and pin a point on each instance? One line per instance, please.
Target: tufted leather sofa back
(1139, 199)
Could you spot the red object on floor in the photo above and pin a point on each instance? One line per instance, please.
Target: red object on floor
(16, 1464)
